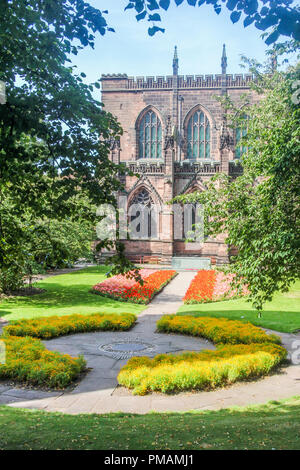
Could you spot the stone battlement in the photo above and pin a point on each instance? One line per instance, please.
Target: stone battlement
(122, 81)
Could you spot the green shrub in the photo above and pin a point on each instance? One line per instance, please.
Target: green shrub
(51, 327)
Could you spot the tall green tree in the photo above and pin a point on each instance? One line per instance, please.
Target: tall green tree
(259, 211)
(53, 134)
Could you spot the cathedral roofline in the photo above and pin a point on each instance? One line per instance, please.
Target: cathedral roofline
(123, 81)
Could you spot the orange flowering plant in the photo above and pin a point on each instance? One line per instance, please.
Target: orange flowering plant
(211, 286)
(122, 288)
(51, 327)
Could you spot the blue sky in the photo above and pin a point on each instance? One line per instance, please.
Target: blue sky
(199, 34)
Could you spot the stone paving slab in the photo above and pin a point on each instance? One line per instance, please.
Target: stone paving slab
(7, 399)
(28, 394)
(98, 392)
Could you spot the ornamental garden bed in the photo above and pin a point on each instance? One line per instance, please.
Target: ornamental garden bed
(128, 290)
(54, 326)
(243, 352)
(28, 361)
(212, 286)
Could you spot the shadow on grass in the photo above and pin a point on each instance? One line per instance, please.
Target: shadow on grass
(284, 320)
(66, 291)
(269, 426)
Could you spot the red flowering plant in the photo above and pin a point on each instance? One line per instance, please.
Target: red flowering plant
(212, 286)
(127, 289)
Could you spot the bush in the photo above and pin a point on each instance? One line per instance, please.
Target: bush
(27, 360)
(51, 327)
(217, 330)
(200, 371)
(244, 351)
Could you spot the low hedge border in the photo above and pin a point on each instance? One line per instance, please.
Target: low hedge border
(243, 352)
(54, 326)
(217, 330)
(28, 361)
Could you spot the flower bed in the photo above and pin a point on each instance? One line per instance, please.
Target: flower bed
(200, 371)
(27, 360)
(255, 355)
(121, 288)
(211, 286)
(217, 330)
(51, 327)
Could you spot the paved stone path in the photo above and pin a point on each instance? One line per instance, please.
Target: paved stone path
(98, 392)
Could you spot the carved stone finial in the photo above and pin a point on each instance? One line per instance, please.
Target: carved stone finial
(175, 62)
(224, 60)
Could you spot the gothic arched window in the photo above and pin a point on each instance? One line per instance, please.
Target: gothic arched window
(150, 136)
(241, 132)
(143, 216)
(198, 136)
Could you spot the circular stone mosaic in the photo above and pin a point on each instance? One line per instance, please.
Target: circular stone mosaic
(124, 349)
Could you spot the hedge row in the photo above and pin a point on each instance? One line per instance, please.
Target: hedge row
(244, 351)
(27, 360)
(200, 371)
(217, 330)
(51, 327)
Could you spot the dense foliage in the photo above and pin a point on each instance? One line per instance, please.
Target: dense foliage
(53, 134)
(281, 16)
(259, 211)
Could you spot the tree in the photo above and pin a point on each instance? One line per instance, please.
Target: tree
(279, 15)
(259, 211)
(53, 134)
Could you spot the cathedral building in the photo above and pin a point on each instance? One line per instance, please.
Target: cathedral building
(175, 138)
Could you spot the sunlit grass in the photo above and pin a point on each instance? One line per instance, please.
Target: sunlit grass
(282, 314)
(66, 294)
(275, 425)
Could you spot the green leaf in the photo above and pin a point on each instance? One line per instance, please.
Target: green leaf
(154, 30)
(154, 17)
(235, 16)
(164, 4)
(141, 16)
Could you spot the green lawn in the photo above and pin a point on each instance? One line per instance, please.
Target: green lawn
(282, 314)
(65, 294)
(275, 425)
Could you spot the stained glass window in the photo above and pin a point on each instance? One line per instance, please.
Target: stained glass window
(150, 136)
(198, 136)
